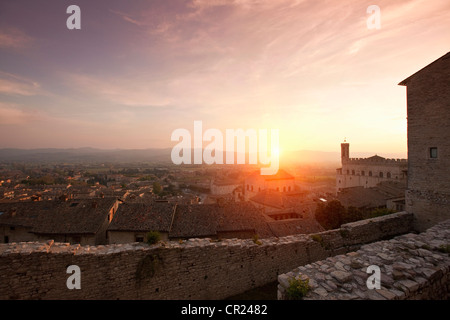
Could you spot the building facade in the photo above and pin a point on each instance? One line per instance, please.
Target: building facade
(428, 107)
(368, 172)
(280, 182)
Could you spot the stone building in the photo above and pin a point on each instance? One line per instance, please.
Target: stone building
(224, 186)
(74, 221)
(368, 172)
(428, 107)
(134, 220)
(281, 182)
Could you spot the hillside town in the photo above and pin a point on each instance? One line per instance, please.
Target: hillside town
(95, 205)
(106, 203)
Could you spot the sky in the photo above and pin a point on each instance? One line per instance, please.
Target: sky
(138, 70)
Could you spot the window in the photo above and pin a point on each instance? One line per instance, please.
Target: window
(433, 153)
(388, 175)
(284, 189)
(6, 239)
(370, 173)
(289, 188)
(348, 171)
(363, 173)
(139, 238)
(381, 174)
(353, 172)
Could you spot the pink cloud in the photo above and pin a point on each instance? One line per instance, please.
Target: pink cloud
(12, 38)
(12, 84)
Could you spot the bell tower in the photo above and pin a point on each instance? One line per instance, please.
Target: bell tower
(345, 151)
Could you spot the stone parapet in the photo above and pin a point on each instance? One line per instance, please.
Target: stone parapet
(413, 266)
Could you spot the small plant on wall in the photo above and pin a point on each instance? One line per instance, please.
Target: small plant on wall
(297, 289)
(153, 237)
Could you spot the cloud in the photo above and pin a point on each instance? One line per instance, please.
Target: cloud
(127, 17)
(12, 84)
(11, 114)
(123, 91)
(12, 38)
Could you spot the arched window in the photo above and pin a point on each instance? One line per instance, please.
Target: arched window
(248, 187)
(353, 172)
(381, 174)
(363, 173)
(252, 188)
(284, 189)
(388, 175)
(370, 173)
(289, 188)
(348, 171)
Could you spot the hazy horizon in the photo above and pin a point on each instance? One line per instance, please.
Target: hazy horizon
(138, 70)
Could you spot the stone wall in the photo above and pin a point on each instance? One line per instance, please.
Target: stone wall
(412, 266)
(428, 95)
(193, 269)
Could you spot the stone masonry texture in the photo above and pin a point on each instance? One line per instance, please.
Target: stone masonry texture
(413, 267)
(192, 269)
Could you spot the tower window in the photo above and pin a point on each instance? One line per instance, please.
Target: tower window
(433, 153)
(381, 174)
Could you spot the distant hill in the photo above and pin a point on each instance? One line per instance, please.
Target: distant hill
(78, 155)
(85, 155)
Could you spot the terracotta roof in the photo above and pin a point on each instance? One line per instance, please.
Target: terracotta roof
(361, 197)
(243, 216)
(75, 217)
(192, 221)
(143, 216)
(206, 220)
(22, 214)
(57, 217)
(271, 198)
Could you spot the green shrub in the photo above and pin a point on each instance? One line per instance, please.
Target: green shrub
(297, 289)
(153, 237)
(317, 237)
(256, 239)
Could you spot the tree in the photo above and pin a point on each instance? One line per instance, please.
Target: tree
(331, 214)
(157, 187)
(353, 214)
